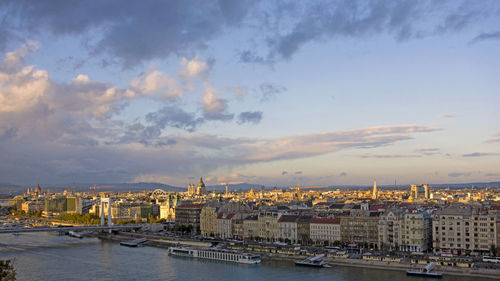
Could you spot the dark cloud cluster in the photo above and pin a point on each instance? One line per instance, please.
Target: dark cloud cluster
(318, 21)
(486, 36)
(479, 154)
(135, 32)
(131, 31)
(174, 117)
(253, 117)
(270, 90)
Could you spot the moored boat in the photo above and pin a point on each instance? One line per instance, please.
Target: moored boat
(215, 254)
(427, 271)
(316, 261)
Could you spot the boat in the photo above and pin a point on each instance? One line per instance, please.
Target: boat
(134, 243)
(215, 254)
(75, 234)
(316, 261)
(427, 271)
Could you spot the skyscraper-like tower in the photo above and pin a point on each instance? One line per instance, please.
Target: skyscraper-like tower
(375, 191)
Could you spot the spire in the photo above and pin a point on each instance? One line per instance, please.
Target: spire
(375, 191)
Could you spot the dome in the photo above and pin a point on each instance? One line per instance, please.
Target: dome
(201, 184)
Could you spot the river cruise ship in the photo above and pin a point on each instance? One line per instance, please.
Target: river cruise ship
(215, 254)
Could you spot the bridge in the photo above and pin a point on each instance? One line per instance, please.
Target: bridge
(67, 228)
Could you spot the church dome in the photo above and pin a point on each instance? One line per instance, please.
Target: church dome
(201, 184)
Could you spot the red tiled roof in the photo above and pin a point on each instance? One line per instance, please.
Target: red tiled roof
(288, 218)
(228, 216)
(326, 220)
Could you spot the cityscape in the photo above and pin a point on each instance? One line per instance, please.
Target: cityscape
(249, 140)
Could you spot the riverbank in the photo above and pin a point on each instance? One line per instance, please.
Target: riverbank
(154, 241)
(448, 270)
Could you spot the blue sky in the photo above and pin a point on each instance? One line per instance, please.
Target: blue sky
(268, 92)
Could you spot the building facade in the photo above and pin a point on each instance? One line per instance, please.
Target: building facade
(464, 230)
(360, 230)
(416, 232)
(188, 215)
(325, 231)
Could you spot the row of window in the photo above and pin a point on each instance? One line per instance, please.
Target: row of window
(223, 256)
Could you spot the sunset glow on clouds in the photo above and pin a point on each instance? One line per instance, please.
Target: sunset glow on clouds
(275, 93)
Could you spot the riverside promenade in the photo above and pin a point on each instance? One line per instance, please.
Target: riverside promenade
(339, 260)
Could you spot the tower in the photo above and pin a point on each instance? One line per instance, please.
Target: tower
(201, 187)
(106, 200)
(426, 191)
(375, 191)
(227, 189)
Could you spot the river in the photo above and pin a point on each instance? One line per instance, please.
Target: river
(48, 256)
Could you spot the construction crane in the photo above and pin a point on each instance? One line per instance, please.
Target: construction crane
(95, 187)
(298, 187)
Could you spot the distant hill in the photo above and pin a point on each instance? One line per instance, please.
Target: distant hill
(233, 187)
(9, 189)
(12, 189)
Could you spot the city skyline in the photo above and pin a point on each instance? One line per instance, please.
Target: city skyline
(274, 93)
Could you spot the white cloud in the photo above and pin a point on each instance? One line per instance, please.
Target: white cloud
(157, 82)
(211, 103)
(194, 68)
(447, 115)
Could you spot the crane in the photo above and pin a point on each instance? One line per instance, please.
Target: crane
(298, 187)
(95, 187)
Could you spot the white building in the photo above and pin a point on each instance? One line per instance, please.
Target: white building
(415, 232)
(463, 230)
(325, 230)
(224, 225)
(287, 228)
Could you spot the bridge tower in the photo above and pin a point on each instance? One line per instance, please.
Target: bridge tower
(108, 201)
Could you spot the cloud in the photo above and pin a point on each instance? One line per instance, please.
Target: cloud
(427, 151)
(447, 115)
(269, 90)
(284, 173)
(127, 30)
(196, 68)
(250, 117)
(479, 154)
(316, 144)
(492, 174)
(343, 174)
(389, 156)
(298, 173)
(133, 33)
(462, 174)
(310, 22)
(174, 117)
(239, 91)
(495, 139)
(214, 107)
(234, 178)
(156, 82)
(486, 36)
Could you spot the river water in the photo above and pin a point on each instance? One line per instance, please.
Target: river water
(48, 256)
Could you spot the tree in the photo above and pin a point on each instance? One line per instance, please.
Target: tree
(7, 272)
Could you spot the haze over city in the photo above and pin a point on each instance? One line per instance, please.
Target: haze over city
(275, 93)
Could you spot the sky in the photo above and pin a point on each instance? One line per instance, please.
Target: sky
(278, 93)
